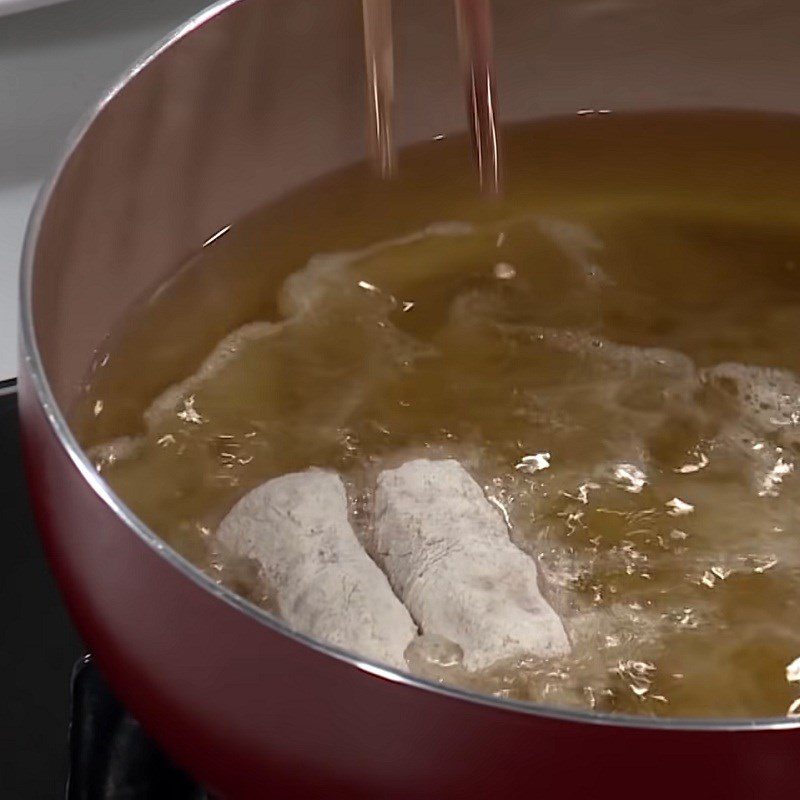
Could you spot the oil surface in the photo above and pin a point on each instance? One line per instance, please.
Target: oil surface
(611, 349)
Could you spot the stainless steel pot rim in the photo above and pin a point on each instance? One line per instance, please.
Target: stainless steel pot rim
(33, 362)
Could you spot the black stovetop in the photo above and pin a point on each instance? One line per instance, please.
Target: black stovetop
(53, 726)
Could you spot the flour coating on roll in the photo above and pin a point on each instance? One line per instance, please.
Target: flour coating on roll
(448, 555)
(296, 528)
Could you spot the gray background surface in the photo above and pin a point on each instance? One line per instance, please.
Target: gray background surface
(55, 62)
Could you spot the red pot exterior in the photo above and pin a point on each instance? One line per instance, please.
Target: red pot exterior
(248, 710)
(253, 713)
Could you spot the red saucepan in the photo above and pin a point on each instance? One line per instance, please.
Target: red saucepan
(247, 100)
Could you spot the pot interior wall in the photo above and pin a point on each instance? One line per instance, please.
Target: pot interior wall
(267, 94)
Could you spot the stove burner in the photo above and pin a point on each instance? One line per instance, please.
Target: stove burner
(111, 757)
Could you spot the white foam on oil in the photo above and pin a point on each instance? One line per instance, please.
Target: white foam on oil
(578, 243)
(226, 351)
(305, 290)
(764, 422)
(769, 397)
(107, 454)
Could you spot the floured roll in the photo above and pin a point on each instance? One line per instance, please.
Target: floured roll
(296, 528)
(448, 555)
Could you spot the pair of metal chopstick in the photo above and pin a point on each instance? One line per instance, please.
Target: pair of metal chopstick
(475, 46)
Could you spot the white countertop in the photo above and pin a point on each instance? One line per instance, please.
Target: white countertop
(54, 63)
(15, 6)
